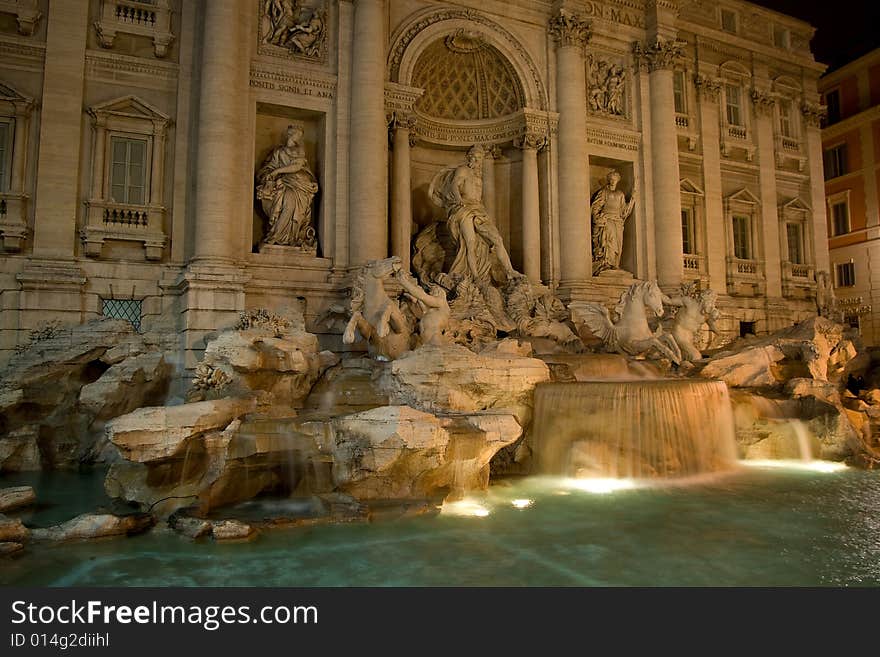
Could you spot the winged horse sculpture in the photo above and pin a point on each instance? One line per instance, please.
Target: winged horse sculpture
(630, 334)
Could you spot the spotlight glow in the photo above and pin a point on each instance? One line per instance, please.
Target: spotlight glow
(600, 485)
(466, 508)
(811, 466)
(522, 504)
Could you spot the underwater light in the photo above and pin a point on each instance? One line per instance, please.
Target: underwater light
(812, 466)
(522, 504)
(600, 485)
(467, 508)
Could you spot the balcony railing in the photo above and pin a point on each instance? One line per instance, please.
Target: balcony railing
(737, 131)
(692, 262)
(151, 19)
(122, 221)
(682, 121)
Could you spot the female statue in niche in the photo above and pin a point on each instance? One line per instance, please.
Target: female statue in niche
(609, 210)
(286, 188)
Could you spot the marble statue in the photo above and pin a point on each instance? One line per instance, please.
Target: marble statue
(695, 308)
(610, 210)
(286, 189)
(539, 313)
(826, 301)
(436, 314)
(630, 334)
(374, 315)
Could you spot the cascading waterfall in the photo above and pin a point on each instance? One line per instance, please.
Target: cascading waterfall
(638, 429)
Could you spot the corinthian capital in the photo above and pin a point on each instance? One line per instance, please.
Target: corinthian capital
(569, 30)
(530, 140)
(813, 114)
(659, 55)
(762, 101)
(708, 88)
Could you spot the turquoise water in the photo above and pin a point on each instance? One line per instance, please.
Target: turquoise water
(759, 526)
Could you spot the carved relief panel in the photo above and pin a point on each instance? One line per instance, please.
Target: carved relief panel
(293, 28)
(607, 82)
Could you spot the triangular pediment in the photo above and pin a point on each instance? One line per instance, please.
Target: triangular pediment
(8, 93)
(743, 196)
(688, 186)
(797, 204)
(130, 106)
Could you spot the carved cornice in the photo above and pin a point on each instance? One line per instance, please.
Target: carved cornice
(283, 79)
(708, 88)
(661, 54)
(813, 113)
(140, 72)
(401, 97)
(403, 39)
(30, 56)
(763, 101)
(496, 131)
(569, 30)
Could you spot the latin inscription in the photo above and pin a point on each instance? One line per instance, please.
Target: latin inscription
(598, 10)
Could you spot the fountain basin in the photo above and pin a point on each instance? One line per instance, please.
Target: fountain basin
(633, 429)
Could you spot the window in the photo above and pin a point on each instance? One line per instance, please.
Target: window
(852, 321)
(746, 328)
(127, 309)
(795, 237)
(742, 238)
(839, 218)
(786, 126)
(728, 21)
(6, 127)
(733, 96)
(688, 236)
(678, 92)
(846, 274)
(835, 161)
(128, 170)
(832, 100)
(780, 37)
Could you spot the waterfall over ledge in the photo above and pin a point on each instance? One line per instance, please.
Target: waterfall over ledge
(633, 429)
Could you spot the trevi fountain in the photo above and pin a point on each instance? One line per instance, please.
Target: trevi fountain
(473, 429)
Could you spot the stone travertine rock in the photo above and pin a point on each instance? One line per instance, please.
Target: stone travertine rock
(190, 527)
(19, 450)
(95, 525)
(157, 433)
(400, 452)
(16, 497)
(57, 392)
(10, 548)
(816, 348)
(231, 530)
(12, 529)
(277, 357)
(451, 378)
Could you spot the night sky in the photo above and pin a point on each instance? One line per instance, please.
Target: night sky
(846, 29)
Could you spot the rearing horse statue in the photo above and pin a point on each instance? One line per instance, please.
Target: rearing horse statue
(630, 334)
(376, 316)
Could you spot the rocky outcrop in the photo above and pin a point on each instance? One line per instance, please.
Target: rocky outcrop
(16, 497)
(95, 525)
(12, 530)
(56, 394)
(265, 353)
(816, 348)
(451, 378)
(398, 452)
(231, 530)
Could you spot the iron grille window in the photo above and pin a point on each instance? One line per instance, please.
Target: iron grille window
(127, 309)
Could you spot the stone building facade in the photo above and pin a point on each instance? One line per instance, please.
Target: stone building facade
(851, 145)
(132, 132)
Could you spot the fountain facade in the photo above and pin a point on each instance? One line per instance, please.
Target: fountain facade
(636, 429)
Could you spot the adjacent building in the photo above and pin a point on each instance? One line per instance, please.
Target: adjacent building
(131, 133)
(851, 148)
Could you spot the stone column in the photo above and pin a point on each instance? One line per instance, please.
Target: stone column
(531, 211)
(660, 58)
(57, 200)
(571, 34)
(157, 175)
(19, 147)
(812, 119)
(221, 105)
(492, 153)
(100, 154)
(401, 187)
(368, 227)
(764, 106)
(708, 93)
